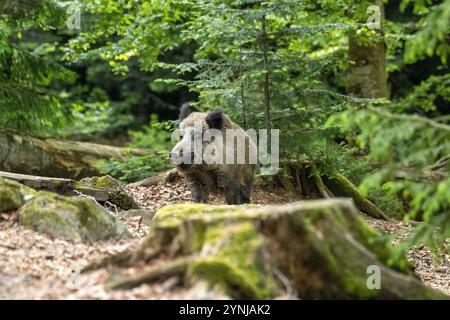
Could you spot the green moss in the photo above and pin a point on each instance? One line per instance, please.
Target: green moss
(319, 245)
(235, 260)
(110, 189)
(13, 194)
(228, 243)
(175, 214)
(70, 218)
(351, 272)
(380, 245)
(219, 271)
(103, 182)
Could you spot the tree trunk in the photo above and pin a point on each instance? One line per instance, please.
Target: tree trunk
(318, 249)
(22, 153)
(367, 76)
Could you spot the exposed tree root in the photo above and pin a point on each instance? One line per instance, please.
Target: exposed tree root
(319, 182)
(344, 187)
(121, 259)
(173, 268)
(306, 177)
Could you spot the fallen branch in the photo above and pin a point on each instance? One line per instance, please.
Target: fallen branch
(169, 269)
(120, 259)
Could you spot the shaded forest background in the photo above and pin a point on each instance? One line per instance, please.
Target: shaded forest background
(370, 103)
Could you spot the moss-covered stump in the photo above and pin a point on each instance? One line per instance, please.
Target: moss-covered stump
(71, 218)
(318, 249)
(13, 195)
(106, 188)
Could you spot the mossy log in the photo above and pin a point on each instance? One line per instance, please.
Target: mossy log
(22, 153)
(319, 249)
(173, 268)
(102, 189)
(59, 185)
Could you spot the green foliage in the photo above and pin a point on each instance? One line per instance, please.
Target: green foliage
(270, 64)
(25, 75)
(412, 156)
(408, 140)
(156, 138)
(253, 59)
(432, 37)
(92, 118)
(136, 168)
(424, 96)
(143, 28)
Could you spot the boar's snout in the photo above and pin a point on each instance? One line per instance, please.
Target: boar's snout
(181, 161)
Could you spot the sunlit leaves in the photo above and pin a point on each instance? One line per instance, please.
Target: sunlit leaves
(434, 34)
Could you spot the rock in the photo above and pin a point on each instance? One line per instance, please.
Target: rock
(106, 188)
(72, 218)
(13, 195)
(318, 249)
(146, 215)
(103, 182)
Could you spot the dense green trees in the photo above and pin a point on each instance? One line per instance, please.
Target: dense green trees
(409, 139)
(25, 101)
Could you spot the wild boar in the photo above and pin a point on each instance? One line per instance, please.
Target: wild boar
(221, 160)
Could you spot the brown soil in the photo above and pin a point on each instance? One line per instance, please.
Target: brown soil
(34, 266)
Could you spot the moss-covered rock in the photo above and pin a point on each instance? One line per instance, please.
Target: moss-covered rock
(103, 182)
(106, 188)
(13, 195)
(73, 218)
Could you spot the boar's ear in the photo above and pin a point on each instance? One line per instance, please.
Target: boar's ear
(185, 110)
(214, 119)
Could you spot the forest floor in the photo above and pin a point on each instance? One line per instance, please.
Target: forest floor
(34, 266)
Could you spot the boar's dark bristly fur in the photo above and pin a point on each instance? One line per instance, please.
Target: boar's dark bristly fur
(235, 180)
(185, 110)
